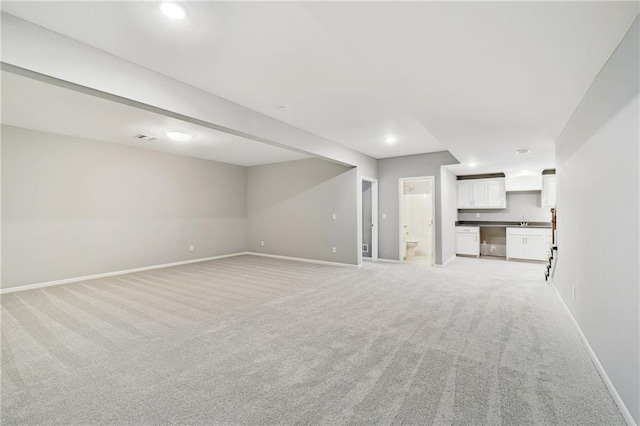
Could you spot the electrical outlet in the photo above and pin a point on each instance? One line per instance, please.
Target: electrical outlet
(333, 249)
(573, 292)
(477, 214)
(190, 248)
(262, 243)
(333, 216)
(384, 216)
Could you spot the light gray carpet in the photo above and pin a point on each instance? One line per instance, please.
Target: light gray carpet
(249, 340)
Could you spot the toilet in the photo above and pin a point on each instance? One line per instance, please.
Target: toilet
(411, 247)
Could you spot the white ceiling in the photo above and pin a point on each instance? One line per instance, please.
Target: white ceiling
(41, 106)
(480, 79)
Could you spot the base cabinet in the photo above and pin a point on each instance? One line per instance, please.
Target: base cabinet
(527, 243)
(468, 240)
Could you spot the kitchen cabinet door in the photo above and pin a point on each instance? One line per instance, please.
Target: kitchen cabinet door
(465, 195)
(515, 247)
(479, 191)
(467, 243)
(528, 247)
(549, 191)
(496, 195)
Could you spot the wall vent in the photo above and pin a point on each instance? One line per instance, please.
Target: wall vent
(146, 137)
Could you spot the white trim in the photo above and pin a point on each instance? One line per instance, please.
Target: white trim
(111, 274)
(445, 263)
(603, 373)
(302, 259)
(373, 249)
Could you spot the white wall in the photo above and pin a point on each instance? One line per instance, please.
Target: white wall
(290, 207)
(598, 201)
(73, 207)
(449, 213)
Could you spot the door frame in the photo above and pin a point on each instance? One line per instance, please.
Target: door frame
(374, 218)
(401, 182)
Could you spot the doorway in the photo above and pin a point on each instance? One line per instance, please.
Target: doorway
(369, 214)
(417, 214)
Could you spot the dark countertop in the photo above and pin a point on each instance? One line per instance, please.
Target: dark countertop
(486, 224)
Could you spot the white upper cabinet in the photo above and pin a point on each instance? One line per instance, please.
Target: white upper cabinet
(465, 194)
(481, 194)
(496, 195)
(549, 191)
(479, 191)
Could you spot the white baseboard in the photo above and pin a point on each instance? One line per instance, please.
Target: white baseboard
(445, 263)
(603, 373)
(111, 274)
(302, 259)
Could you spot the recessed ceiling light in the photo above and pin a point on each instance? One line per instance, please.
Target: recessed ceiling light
(173, 10)
(523, 151)
(284, 108)
(391, 140)
(179, 136)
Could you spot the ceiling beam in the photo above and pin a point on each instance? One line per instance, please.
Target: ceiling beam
(38, 53)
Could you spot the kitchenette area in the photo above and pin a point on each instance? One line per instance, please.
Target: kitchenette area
(508, 217)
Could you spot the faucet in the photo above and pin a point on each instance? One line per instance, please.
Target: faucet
(523, 222)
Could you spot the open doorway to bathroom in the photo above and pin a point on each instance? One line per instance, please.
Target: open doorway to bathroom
(369, 190)
(417, 210)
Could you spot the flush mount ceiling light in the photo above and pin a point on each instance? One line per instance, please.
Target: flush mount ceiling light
(472, 165)
(284, 108)
(179, 136)
(391, 140)
(523, 151)
(173, 10)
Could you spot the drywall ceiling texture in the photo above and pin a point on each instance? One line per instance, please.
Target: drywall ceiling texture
(34, 48)
(390, 170)
(437, 75)
(74, 207)
(290, 206)
(598, 218)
